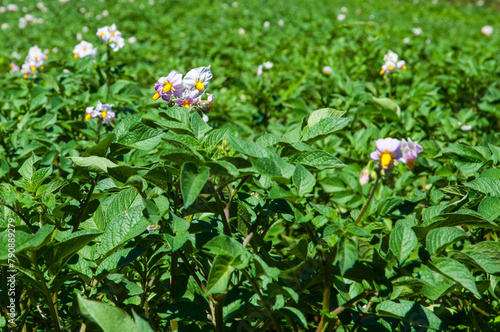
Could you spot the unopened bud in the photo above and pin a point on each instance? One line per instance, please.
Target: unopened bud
(364, 176)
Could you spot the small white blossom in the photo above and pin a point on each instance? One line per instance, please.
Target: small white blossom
(268, 65)
(341, 17)
(327, 70)
(266, 24)
(344, 10)
(487, 30)
(241, 31)
(416, 31)
(281, 23)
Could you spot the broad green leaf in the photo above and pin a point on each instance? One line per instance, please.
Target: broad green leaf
(317, 159)
(109, 318)
(347, 254)
(457, 272)
(101, 148)
(93, 164)
(192, 183)
(119, 259)
(25, 241)
(29, 166)
(295, 314)
(131, 132)
(303, 180)
(274, 167)
(388, 104)
(324, 128)
(322, 113)
(220, 273)
(229, 247)
(141, 323)
(402, 241)
(411, 312)
(247, 147)
(440, 238)
(488, 186)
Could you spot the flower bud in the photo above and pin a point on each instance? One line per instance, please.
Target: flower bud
(364, 176)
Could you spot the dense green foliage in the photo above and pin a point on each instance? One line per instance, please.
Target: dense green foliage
(260, 221)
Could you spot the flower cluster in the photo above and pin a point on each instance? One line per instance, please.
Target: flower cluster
(187, 92)
(390, 149)
(391, 63)
(33, 61)
(84, 49)
(267, 65)
(102, 111)
(111, 35)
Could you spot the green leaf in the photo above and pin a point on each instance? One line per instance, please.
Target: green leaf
(303, 180)
(131, 132)
(224, 245)
(274, 167)
(324, 128)
(295, 314)
(488, 186)
(109, 318)
(192, 183)
(220, 273)
(247, 147)
(322, 113)
(402, 241)
(141, 323)
(411, 312)
(347, 254)
(440, 238)
(93, 164)
(101, 148)
(119, 259)
(199, 127)
(25, 241)
(319, 160)
(29, 166)
(457, 272)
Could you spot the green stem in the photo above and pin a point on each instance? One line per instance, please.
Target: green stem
(173, 272)
(48, 297)
(219, 313)
(222, 210)
(326, 293)
(372, 193)
(32, 229)
(86, 203)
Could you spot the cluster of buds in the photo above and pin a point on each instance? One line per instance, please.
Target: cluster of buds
(101, 111)
(187, 92)
(267, 65)
(33, 61)
(390, 149)
(111, 35)
(84, 49)
(391, 63)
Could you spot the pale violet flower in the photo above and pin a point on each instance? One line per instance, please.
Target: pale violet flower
(84, 49)
(12, 8)
(259, 70)
(205, 103)
(152, 227)
(391, 56)
(487, 30)
(281, 23)
(266, 24)
(105, 13)
(388, 67)
(14, 67)
(327, 70)
(416, 31)
(91, 113)
(401, 65)
(241, 31)
(27, 70)
(169, 86)
(388, 150)
(341, 17)
(102, 111)
(186, 99)
(198, 79)
(268, 65)
(410, 151)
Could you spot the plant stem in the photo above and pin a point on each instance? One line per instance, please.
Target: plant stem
(173, 272)
(32, 229)
(222, 210)
(262, 299)
(326, 293)
(86, 203)
(219, 313)
(372, 193)
(352, 301)
(48, 297)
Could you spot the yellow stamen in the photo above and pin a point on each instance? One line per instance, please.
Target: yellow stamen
(391, 67)
(385, 159)
(33, 68)
(11, 65)
(75, 56)
(36, 58)
(46, 57)
(25, 75)
(186, 103)
(404, 67)
(84, 48)
(101, 34)
(156, 96)
(41, 67)
(382, 71)
(88, 116)
(199, 85)
(112, 33)
(167, 87)
(104, 113)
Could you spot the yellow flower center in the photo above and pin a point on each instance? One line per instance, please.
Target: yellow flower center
(88, 116)
(404, 67)
(36, 58)
(84, 48)
(33, 68)
(391, 67)
(112, 33)
(101, 34)
(186, 103)
(104, 113)
(156, 96)
(25, 76)
(382, 71)
(385, 159)
(167, 87)
(199, 85)
(75, 56)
